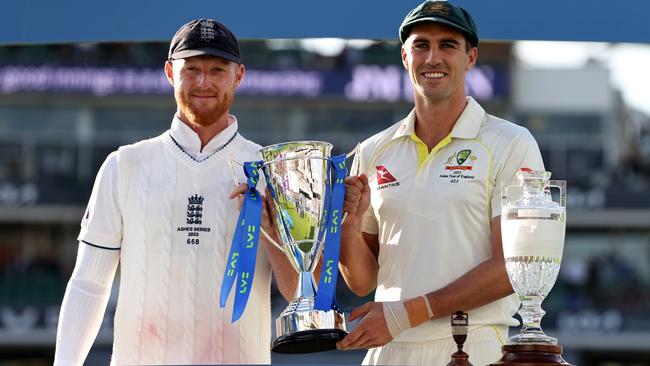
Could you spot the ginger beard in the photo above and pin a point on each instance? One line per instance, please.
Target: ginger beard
(204, 117)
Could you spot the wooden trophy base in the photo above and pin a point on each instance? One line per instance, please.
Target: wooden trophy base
(531, 355)
(459, 358)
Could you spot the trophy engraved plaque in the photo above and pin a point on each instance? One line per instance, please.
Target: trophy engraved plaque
(532, 229)
(301, 181)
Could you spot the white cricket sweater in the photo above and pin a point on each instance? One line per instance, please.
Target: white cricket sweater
(173, 231)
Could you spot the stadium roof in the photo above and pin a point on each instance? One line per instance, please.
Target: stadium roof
(40, 21)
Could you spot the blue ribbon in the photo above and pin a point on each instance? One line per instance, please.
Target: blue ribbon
(326, 296)
(243, 250)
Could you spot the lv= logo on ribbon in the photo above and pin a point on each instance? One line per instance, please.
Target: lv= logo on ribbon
(243, 250)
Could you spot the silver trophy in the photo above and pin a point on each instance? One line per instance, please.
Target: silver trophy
(298, 177)
(532, 229)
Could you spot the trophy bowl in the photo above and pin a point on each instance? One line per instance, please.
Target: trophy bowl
(299, 179)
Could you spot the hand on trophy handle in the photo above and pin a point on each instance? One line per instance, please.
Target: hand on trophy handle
(357, 199)
(372, 330)
(240, 189)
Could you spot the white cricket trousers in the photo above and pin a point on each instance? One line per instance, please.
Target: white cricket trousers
(483, 346)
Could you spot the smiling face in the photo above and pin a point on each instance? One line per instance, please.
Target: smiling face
(437, 58)
(204, 88)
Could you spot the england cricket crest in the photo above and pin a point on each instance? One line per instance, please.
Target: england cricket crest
(195, 210)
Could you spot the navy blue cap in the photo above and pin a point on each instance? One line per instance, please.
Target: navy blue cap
(204, 37)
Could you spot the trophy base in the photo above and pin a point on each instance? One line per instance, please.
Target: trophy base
(459, 358)
(531, 355)
(303, 329)
(308, 341)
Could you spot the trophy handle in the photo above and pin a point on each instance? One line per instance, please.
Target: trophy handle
(505, 188)
(354, 170)
(231, 163)
(561, 185)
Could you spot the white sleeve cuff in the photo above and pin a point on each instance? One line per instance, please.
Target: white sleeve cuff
(84, 303)
(99, 239)
(396, 317)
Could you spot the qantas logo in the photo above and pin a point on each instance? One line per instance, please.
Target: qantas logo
(384, 178)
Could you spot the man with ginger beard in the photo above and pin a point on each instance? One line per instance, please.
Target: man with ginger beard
(163, 209)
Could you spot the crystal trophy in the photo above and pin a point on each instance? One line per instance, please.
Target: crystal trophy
(532, 231)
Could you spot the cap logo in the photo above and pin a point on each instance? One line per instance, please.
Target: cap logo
(207, 29)
(437, 7)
